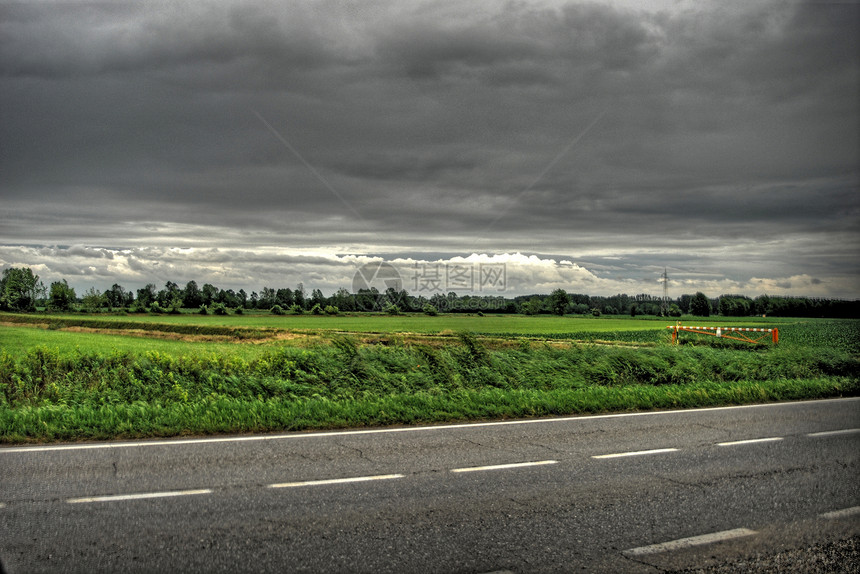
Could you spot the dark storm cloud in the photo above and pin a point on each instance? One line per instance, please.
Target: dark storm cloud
(577, 128)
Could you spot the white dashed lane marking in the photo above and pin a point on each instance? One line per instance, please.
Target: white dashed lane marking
(140, 496)
(688, 542)
(335, 481)
(636, 453)
(833, 432)
(844, 513)
(504, 466)
(750, 441)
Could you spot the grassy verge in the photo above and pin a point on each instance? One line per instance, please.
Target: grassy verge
(227, 415)
(49, 394)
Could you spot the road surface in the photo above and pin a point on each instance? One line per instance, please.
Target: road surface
(639, 492)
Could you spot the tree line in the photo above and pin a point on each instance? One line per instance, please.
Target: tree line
(22, 291)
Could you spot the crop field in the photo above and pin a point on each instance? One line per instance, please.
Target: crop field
(412, 322)
(78, 376)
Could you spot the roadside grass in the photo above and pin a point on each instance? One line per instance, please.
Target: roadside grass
(60, 385)
(230, 415)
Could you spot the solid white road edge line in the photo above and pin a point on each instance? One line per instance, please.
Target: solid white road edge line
(143, 495)
(301, 435)
(688, 542)
(503, 466)
(750, 441)
(833, 432)
(844, 513)
(335, 481)
(635, 453)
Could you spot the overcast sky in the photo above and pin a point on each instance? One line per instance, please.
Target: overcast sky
(585, 145)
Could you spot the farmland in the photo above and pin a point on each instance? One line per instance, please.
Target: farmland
(74, 376)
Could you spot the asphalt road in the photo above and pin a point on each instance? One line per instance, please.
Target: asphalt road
(622, 493)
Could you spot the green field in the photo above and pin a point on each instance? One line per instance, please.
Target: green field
(412, 323)
(73, 377)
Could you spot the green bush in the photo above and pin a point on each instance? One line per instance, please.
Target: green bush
(331, 310)
(277, 310)
(430, 310)
(137, 307)
(392, 309)
(317, 309)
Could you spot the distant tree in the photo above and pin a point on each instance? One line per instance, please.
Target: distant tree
(299, 295)
(146, 295)
(62, 297)
(191, 297)
(93, 300)
(170, 292)
(285, 297)
(343, 300)
(392, 296)
(209, 293)
(580, 299)
(674, 310)
(117, 297)
(19, 289)
(228, 298)
(558, 301)
(175, 304)
(700, 305)
(317, 298)
(532, 307)
(267, 298)
(580, 308)
(736, 306)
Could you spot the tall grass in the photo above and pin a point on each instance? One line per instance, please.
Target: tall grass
(61, 385)
(46, 394)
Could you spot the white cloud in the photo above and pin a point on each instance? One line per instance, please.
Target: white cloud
(515, 273)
